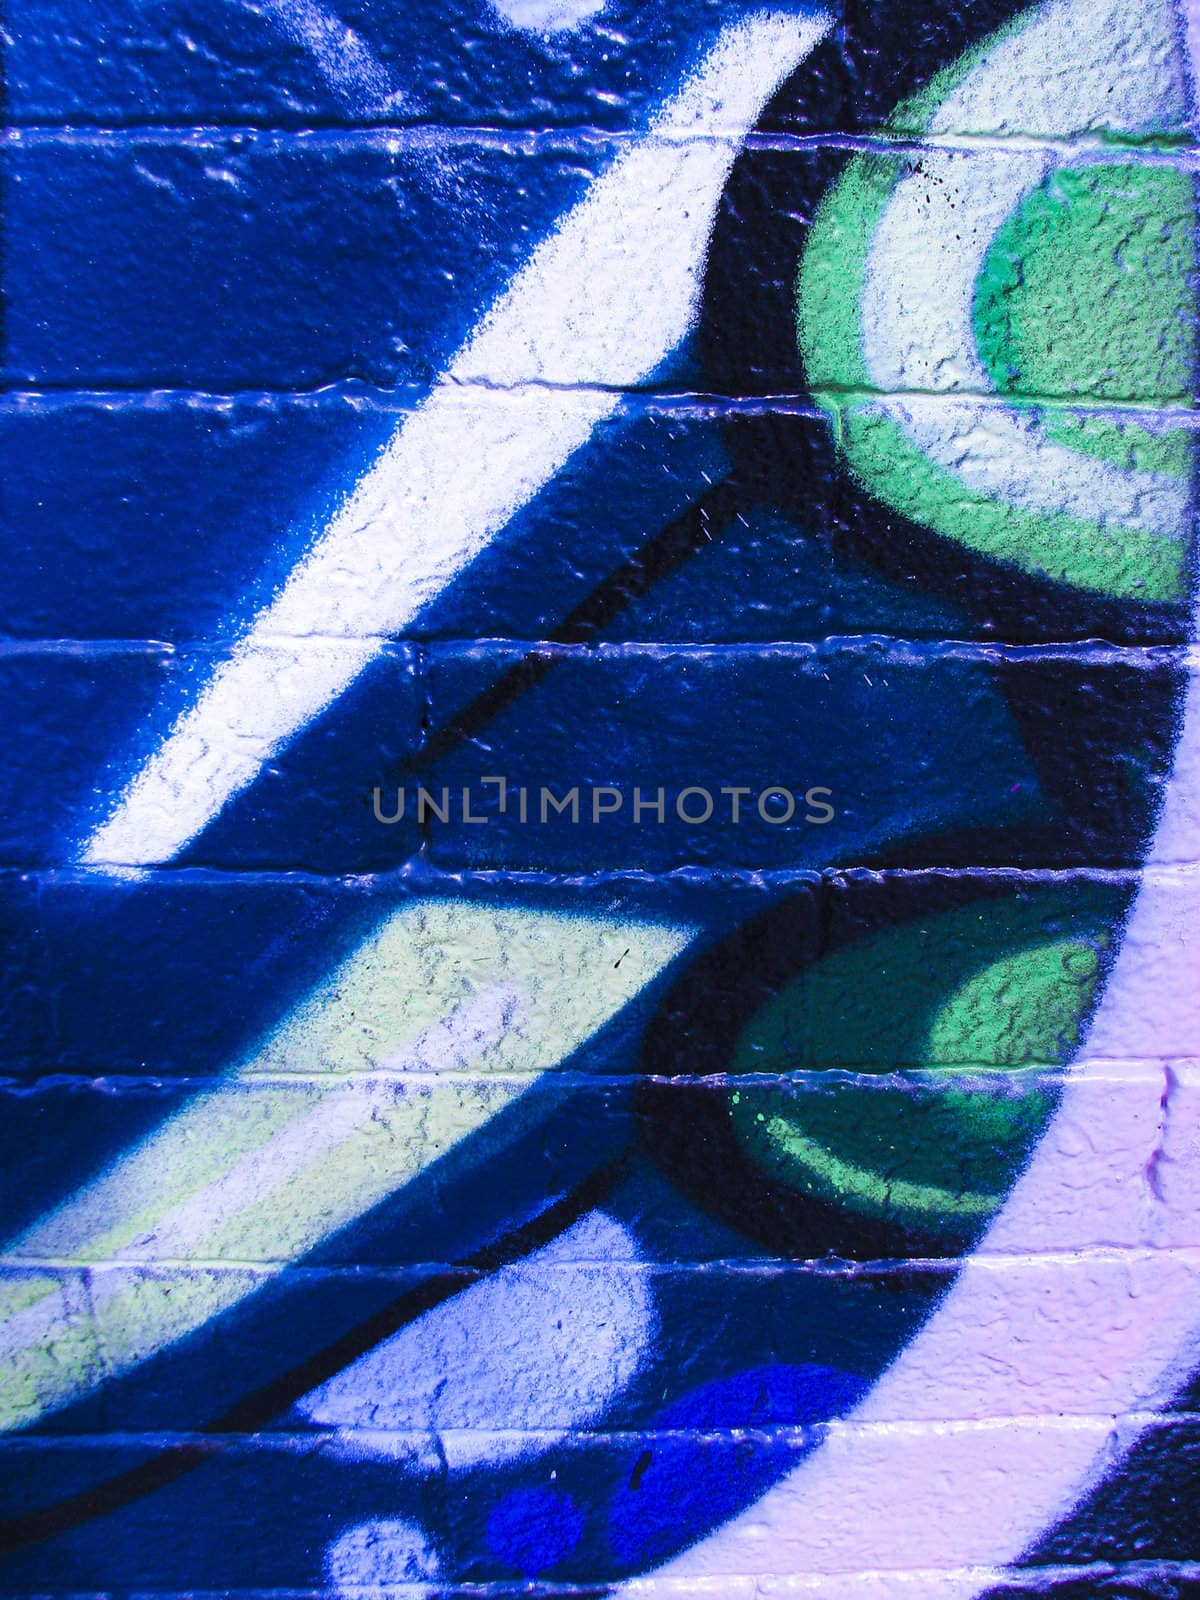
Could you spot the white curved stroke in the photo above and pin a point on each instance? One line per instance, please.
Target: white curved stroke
(1078, 1314)
(935, 231)
(1037, 1371)
(597, 308)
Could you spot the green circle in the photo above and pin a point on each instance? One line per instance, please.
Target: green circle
(909, 1074)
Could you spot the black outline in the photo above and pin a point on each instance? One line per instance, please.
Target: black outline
(686, 1128)
(255, 1410)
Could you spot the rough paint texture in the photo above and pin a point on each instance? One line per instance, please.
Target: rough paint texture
(600, 823)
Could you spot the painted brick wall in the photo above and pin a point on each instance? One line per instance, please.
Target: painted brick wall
(600, 799)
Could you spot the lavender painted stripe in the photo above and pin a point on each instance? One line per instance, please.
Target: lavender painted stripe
(995, 1420)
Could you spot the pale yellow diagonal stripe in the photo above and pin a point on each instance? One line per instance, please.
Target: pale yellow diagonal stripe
(444, 1015)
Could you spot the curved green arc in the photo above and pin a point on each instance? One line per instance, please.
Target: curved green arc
(1120, 562)
(973, 994)
(850, 1180)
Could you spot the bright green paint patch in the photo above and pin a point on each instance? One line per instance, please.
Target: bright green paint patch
(1086, 288)
(830, 286)
(964, 998)
(895, 1147)
(1039, 994)
(871, 1189)
(1127, 563)
(1128, 445)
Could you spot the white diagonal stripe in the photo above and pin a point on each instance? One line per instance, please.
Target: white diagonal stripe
(601, 303)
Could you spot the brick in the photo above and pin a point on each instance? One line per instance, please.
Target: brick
(591, 1476)
(90, 706)
(520, 1206)
(280, 261)
(174, 517)
(709, 719)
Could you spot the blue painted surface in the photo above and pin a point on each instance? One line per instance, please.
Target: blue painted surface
(229, 271)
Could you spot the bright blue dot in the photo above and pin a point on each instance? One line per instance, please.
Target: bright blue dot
(534, 1529)
(683, 1486)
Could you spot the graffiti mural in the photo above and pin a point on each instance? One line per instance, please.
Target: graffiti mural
(601, 799)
